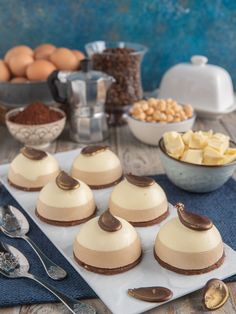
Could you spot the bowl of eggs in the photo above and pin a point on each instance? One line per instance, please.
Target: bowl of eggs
(24, 72)
(197, 161)
(149, 119)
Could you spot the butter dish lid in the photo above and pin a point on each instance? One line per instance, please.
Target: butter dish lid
(206, 87)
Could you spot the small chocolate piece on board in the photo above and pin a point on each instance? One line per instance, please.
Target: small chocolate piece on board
(193, 221)
(32, 153)
(108, 222)
(151, 294)
(66, 182)
(215, 294)
(93, 149)
(139, 181)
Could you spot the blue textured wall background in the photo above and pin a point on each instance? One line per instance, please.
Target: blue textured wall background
(173, 30)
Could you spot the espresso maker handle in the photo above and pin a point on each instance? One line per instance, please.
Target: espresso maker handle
(52, 80)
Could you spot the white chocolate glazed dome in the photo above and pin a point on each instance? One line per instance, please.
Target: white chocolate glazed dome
(32, 169)
(52, 195)
(106, 241)
(129, 196)
(102, 161)
(176, 236)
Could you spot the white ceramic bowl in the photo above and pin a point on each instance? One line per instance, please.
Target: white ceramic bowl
(38, 136)
(193, 177)
(151, 132)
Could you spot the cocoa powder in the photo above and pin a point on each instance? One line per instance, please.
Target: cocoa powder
(36, 113)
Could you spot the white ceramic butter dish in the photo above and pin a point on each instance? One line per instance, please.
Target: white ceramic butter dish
(208, 88)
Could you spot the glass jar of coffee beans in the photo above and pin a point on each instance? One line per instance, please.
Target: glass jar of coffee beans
(123, 62)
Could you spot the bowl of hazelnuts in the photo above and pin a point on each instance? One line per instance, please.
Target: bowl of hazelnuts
(149, 119)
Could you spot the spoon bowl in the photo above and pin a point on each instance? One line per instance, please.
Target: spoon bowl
(13, 264)
(12, 261)
(15, 225)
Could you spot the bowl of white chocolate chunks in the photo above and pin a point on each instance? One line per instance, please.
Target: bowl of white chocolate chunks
(197, 161)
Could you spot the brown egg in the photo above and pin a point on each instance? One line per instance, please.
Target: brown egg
(64, 59)
(19, 63)
(4, 71)
(17, 50)
(43, 51)
(19, 80)
(39, 70)
(79, 55)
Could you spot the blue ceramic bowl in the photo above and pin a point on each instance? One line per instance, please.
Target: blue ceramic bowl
(192, 177)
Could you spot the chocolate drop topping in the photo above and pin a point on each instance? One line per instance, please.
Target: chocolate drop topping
(193, 221)
(32, 153)
(66, 182)
(139, 181)
(108, 222)
(93, 149)
(215, 294)
(151, 294)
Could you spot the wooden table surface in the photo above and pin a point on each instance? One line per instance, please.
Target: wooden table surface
(139, 159)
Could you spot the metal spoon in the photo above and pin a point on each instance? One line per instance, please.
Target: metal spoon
(13, 264)
(14, 224)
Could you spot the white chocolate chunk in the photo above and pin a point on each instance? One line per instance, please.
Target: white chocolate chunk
(187, 136)
(194, 156)
(230, 151)
(198, 140)
(174, 144)
(212, 156)
(219, 143)
(230, 155)
(208, 134)
(221, 136)
(228, 159)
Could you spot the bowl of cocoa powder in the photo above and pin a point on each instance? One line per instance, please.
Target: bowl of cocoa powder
(36, 125)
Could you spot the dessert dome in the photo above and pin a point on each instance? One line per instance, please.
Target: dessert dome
(189, 244)
(97, 166)
(139, 200)
(107, 245)
(65, 201)
(31, 169)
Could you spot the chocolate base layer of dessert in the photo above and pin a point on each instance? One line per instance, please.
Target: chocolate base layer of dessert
(104, 186)
(25, 189)
(190, 271)
(64, 223)
(108, 271)
(150, 222)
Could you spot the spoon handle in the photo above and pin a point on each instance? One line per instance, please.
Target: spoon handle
(73, 305)
(54, 271)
